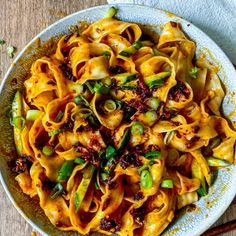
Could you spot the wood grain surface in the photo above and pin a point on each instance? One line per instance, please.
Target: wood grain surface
(20, 21)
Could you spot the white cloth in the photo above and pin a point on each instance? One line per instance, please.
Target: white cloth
(217, 18)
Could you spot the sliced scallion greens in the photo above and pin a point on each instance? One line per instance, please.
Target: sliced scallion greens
(18, 122)
(79, 161)
(32, 115)
(83, 186)
(65, 171)
(146, 179)
(60, 114)
(137, 128)
(111, 12)
(167, 183)
(156, 80)
(214, 162)
(47, 150)
(153, 155)
(109, 105)
(153, 103)
(194, 72)
(55, 132)
(57, 191)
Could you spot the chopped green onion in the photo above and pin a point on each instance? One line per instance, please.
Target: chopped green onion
(106, 54)
(55, 132)
(60, 114)
(2, 41)
(48, 150)
(153, 155)
(167, 183)
(104, 176)
(202, 192)
(137, 45)
(119, 104)
(216, 162)
(83, 186)
(124, 78)
(96, 185)
(32, 115)
(193, 72)
(84, 112)
(79, 161)
(151, 117)
(156, 80)
(111, 12)
(110, 162)
(110, 152)
(65, 171)
(131, 77)
(18, 122)
(89, 86)
(99, 88)
(153, 103)
(144, 167)
(56, 191)
(137, 128)
(81, 100)
(10, 51)
(124, 141)
(146, 179)
(109, 105)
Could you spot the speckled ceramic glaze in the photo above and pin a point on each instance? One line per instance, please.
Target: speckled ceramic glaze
(188, 222)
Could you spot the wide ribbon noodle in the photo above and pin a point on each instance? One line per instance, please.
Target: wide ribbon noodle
(115, 132)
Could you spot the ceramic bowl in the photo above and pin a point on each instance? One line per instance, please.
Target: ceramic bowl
(188, 222)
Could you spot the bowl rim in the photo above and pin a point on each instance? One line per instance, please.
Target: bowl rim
(208, 222)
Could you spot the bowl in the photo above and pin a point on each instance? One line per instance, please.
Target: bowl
(190, 221)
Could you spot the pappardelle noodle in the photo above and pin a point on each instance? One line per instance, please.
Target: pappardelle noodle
(115, 132)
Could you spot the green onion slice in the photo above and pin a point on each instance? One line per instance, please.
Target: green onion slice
(32, 115)
(18, 122)
(151, 117)
(81, 100)
(84, 112)
(55, 132)
(124, 141)
(156, 80)
(89, 86)
(153, 103)
(109, 105)
(146, 179)
(214, 162)
(111, 12)
(153, 155)
(79, 161)
(56, 191)
(60, 114)
(83, 186)
(193, 72)
(102, 89)
(144, 167)
(137, 45)
(110, 152)
(106, 54)
(47, 150)
(137, 128)
(202, 191)
(167, 183)
(65, 171)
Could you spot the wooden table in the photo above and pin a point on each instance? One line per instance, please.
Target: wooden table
(20, 21)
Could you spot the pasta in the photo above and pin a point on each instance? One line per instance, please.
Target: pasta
(115, 132)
